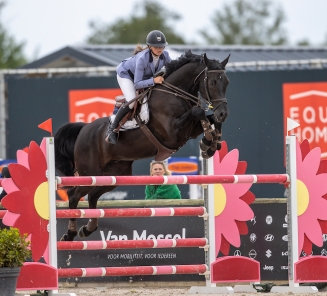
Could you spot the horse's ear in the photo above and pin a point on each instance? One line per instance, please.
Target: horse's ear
(225, 61)
(206, 60)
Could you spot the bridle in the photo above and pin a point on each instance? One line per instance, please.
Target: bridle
(200, 100)
(208, 100)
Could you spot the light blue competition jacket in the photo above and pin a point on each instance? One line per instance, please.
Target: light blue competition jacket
(140, 69)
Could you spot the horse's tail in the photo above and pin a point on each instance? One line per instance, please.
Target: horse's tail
(64, 141)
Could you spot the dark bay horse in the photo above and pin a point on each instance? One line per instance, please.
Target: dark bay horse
(176, 115)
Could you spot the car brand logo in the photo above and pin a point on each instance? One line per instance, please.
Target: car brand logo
(237, 253)
(304, 254)
(268, 267)
(253, 254)
(268, 253)
(269, 237)
(323, 252)
(269, 219)
(253, 237)
(285, 238)
(253, 220)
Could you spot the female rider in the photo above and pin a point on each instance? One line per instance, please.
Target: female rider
(137, 72)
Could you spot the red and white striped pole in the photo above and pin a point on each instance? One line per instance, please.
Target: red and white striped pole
(159, 180)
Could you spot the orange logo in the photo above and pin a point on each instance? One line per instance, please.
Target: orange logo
(88, 105)
(306, 103)
(183, 167)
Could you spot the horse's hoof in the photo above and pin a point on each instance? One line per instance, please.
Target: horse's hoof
(210, 152)
(205, 155)
(213, 147)
(69, 236)
(203, 146)
(64, 238)
(83, 232)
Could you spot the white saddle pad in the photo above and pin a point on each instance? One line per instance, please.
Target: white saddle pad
(131, 124)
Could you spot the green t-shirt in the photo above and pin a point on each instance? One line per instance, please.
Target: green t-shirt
(162, 192)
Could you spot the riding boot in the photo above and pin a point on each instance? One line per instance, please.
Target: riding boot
(112, 136)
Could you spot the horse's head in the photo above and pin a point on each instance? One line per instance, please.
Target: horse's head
(213, 83)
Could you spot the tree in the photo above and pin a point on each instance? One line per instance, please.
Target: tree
(11, 53)
(148, 16)
(303, 42)
(253, 22)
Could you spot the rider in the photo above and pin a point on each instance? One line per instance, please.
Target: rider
(137, 72)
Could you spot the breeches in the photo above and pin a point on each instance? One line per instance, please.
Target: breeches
(128, 89)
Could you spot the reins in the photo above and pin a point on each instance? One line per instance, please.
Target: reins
(188, 97)
(179, 93)
(183, 94)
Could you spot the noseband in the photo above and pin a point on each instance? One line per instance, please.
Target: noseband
(209, 101)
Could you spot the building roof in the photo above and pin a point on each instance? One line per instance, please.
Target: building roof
(243, 58)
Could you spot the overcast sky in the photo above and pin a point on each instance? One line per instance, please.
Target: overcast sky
(49, 25)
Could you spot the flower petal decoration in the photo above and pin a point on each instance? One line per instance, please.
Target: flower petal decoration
(311, 197)
(231, 201)
(27, 198)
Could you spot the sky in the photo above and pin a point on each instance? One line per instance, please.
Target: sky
(47, 26)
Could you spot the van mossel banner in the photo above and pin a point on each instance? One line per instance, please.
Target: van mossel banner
(183, 165)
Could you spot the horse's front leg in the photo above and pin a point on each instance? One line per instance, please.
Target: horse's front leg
(209, 133)
(218, 129)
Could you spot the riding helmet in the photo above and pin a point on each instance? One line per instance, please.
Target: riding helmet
(156, 38)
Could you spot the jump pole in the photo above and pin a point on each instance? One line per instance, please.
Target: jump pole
(292, 223)
(51, 174)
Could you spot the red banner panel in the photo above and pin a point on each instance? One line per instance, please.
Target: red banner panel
(306, 103)
(88, 105)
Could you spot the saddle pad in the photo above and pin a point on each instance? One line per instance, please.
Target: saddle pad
(131, 124)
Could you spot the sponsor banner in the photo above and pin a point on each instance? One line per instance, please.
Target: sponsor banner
(264, 242)
(306, 103)
(183, 165)
(137, 229)
(91, 104)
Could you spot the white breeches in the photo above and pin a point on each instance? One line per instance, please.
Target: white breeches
(128, 89)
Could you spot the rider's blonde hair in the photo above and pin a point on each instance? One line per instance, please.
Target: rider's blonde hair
(139, 48)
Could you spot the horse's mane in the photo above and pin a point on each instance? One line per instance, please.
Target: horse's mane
(187, 57)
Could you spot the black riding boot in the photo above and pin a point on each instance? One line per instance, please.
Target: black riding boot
(112, 136)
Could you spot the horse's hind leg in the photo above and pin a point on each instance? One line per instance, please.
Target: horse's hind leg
(92, 224)
(74, 195)
(112, 168)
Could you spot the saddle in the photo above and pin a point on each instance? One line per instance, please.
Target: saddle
(140, 102)
(128, 122)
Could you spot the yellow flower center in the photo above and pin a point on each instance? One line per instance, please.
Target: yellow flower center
(302, 197)
(41, 200)
(219, 199)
